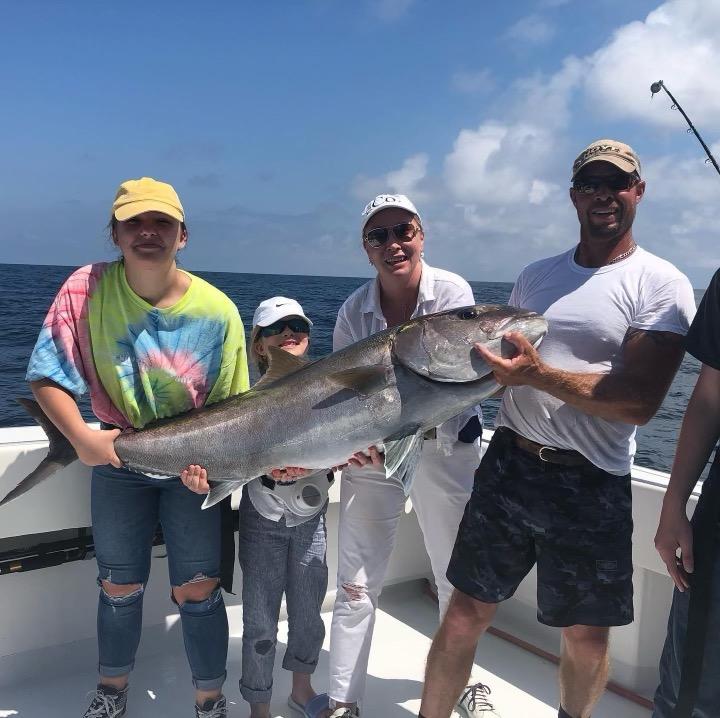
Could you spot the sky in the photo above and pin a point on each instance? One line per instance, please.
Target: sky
(276, 122)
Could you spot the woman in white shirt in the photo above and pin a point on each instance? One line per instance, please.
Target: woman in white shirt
(371, 504)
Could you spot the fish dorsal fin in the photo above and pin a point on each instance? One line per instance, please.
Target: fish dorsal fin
(280, 364)
(402, 454)
(364, 380)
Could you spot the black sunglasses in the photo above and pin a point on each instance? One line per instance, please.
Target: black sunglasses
(295, 324)
(404, 232)
(615, 183)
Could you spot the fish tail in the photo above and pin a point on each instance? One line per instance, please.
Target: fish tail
(60, 452)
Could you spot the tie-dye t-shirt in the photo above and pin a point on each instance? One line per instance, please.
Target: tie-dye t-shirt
(138, 362)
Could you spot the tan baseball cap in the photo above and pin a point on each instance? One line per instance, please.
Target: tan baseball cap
(616, 153)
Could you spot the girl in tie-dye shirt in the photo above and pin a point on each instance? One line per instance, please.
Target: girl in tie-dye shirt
(147, 340)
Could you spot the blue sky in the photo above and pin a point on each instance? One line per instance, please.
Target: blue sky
(276, 122)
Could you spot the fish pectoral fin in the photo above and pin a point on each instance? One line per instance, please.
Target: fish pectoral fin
(280, 364)
(220, 490)
(365, 380)
(402, 455)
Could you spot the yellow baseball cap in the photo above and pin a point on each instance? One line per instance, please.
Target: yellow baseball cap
(146, 195)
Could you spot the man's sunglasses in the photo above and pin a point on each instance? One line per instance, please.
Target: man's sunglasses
(615, 183)
(404, 232)
(295, 324)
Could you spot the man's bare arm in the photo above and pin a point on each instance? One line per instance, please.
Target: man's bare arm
(632, 394)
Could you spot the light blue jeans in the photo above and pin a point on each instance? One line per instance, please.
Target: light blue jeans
(277, 559)
(126, 510)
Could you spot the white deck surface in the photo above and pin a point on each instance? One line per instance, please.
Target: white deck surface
(523, 685)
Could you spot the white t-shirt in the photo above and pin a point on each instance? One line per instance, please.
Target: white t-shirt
(361, 316)
(589, 311)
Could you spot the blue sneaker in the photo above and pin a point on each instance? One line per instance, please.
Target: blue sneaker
(312, 708)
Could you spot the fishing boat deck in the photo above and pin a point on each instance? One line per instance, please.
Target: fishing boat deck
(522, 683)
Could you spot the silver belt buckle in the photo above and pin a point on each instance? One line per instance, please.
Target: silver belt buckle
(540, 453)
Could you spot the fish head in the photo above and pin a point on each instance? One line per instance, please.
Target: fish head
(440, 346)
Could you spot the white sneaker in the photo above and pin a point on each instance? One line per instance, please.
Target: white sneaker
(474, 702)
(344, 711)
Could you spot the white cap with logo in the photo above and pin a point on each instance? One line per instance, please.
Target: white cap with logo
(386, 201)
(269, 311)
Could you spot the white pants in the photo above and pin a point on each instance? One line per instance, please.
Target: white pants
(370, 508)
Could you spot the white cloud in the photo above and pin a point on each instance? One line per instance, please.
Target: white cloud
(473, 82)
(495, 163)
(408, 179)
(501, 199)
(540, 191)
(678, 43)
(531, 30)
(391, 9)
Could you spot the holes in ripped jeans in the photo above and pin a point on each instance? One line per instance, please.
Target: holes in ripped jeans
(120, 596)
(263, 647)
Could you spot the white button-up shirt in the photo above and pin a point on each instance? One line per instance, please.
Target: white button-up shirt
(361, 315)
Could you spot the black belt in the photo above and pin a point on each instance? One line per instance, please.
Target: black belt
(269, 483)
(564, 457)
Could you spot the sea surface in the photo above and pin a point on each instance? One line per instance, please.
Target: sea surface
(29, 289)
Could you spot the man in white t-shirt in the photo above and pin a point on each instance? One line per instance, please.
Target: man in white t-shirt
(554, 485)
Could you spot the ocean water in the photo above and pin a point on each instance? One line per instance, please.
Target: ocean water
(29, 289)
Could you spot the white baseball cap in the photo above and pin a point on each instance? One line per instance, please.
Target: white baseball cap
(269, 311)
(386, 201)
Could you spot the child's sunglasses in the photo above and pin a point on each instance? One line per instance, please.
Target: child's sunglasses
(295, 324)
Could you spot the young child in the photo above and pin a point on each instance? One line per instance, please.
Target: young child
(282, 548)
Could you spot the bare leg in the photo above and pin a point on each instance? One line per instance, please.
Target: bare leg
(584, 667)
(302, 690)
(451, 655)
(118, 682)
(259, 710)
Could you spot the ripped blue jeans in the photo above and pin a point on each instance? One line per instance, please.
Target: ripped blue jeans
(126, 509)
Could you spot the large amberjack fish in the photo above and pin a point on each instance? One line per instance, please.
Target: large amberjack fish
(385, 390)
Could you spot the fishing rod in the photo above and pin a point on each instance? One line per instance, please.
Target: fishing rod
(660, 85)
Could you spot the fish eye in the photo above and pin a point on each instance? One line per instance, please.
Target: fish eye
(467, 314)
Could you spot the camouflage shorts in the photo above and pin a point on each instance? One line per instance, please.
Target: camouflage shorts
(575, 522)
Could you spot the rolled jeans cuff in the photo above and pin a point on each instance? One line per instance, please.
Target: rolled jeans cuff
(253, 696)
(115, 671)
(290, 663)
(209, 684)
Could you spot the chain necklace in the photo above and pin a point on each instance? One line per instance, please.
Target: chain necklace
(624, 255)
